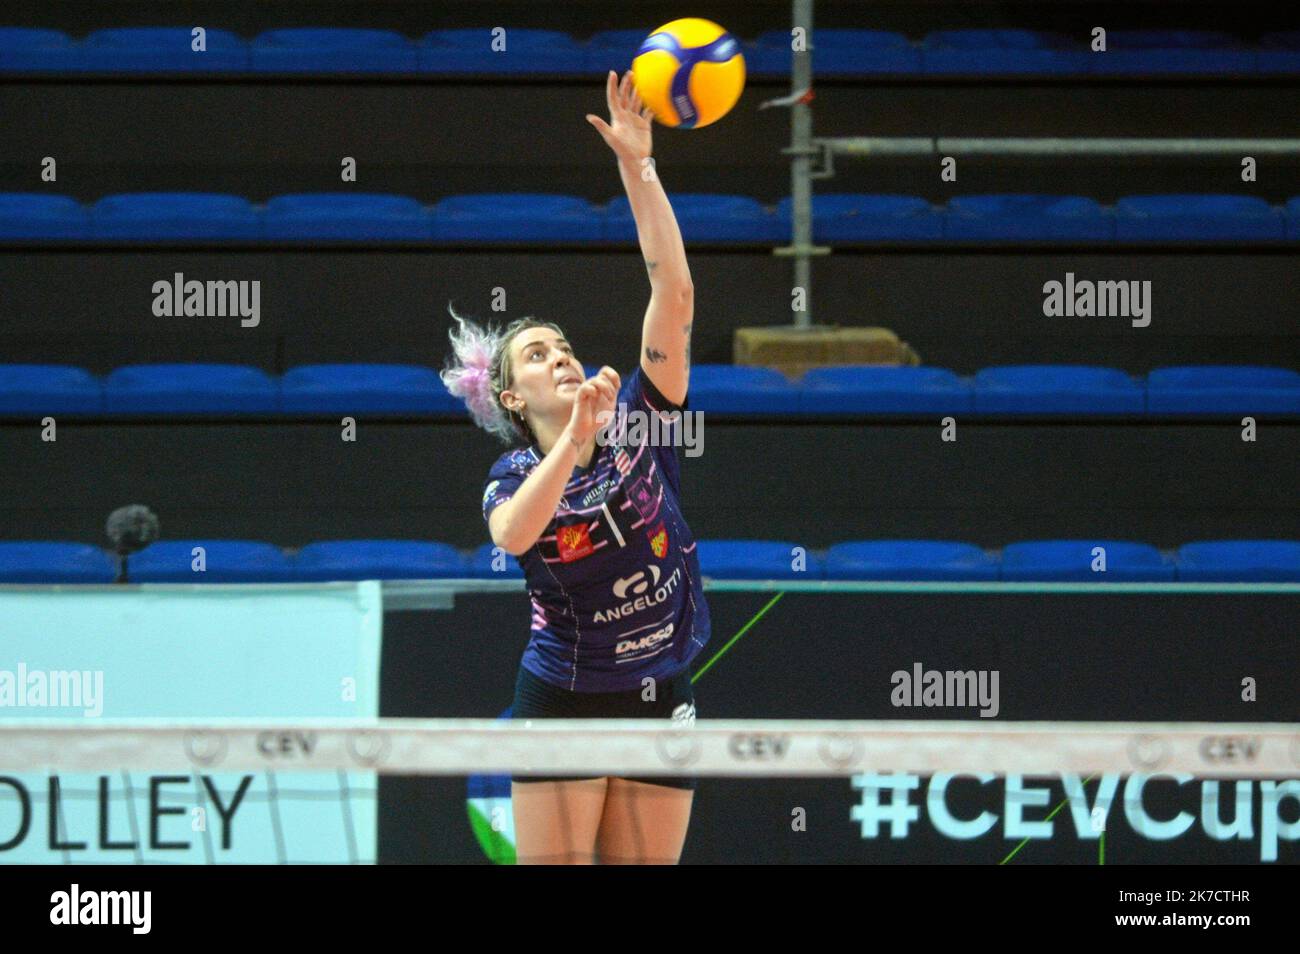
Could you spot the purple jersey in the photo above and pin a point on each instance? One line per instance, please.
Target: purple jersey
(614, 578)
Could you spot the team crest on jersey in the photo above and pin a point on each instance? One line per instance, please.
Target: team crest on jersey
(622, 461)
(574, 542)
(659, 541)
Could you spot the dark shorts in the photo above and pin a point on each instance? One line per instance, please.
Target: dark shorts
(537, 699)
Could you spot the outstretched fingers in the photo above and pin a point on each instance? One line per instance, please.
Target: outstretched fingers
(611, 91)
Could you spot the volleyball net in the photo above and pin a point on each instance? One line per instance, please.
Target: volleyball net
(321, 791)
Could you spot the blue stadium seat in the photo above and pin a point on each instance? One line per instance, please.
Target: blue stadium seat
(837, 52)
(739, 389)
(225, 561)
(1240, 561)
(175, 215)
(1186, 52)
(769, 54)
(1072, 561)
(870, 389)
(516, 217)
(190, 389)
(333, 50)
(1056, 389)
(163, 50)
(756, 560)
(365, 389)
(1143, 218)
(34, 390)
(1292, 212)
(42, 562)
(1033, 218)
(377, 560)
(30, 215)
(1223, 389)
(994, 52)
(702, 217)
(1278, 52)
(909, 560)
(613, 50)
(27, 50)
(858, 217)
(346, 216)
(526, 51)
(846, 52)
(479, 565)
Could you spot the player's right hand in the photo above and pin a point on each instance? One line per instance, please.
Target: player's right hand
(594, 397)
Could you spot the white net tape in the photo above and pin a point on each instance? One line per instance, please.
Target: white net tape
(646, 747)
(1049, 146)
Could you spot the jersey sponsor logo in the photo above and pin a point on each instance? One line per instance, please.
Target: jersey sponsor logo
(643, 497)
(597, 492)
(645, 642)
(659, 540)
(574, 542)
(638, 586)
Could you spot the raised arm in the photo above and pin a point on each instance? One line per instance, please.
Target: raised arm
(666, 332)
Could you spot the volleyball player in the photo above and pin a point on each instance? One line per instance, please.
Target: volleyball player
(618, 612)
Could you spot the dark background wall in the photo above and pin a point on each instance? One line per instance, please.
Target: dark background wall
(430, 138)
(811, 484)
(961, 310)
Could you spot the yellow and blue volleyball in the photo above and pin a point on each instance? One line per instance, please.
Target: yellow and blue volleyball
(690, 73)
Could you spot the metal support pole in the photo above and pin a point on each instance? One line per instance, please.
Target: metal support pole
(801, 164)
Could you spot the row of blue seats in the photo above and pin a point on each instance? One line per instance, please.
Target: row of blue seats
(29, 390)
(244, 561)
(837, 52)
(703, 217)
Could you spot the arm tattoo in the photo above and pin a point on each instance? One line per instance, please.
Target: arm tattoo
(650, 266)
(655, 356)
